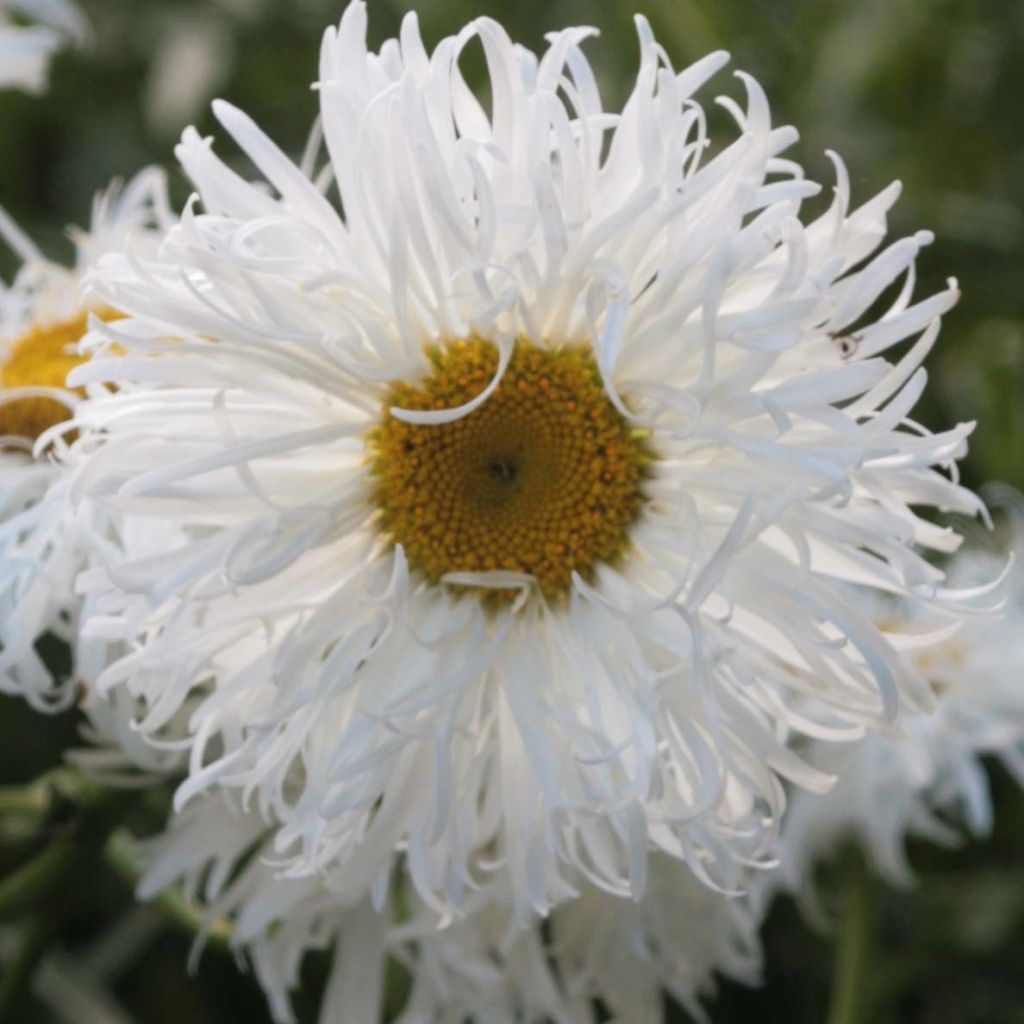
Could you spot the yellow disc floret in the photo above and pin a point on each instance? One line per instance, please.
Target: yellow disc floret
(43, 358)
(543, 478)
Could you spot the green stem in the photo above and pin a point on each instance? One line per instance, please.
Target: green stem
(16, 981)
(850, 1002)
(23, 801)
(121, 856)
(43, 888)
(20, 891)
(39, 879)
(44, 796)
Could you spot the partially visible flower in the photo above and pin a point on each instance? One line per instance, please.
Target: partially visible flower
(26, 612)
(195, 54)
(482, 966)
(595, 950)
(927, 780)
(42, 320)
(26, 49)
(531, 494)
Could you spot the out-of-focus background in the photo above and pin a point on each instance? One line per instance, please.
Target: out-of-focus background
(927, 91)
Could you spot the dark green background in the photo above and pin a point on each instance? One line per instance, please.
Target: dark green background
(927, 91)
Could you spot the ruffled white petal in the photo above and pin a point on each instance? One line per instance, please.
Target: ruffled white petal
(929, 780)
(44, 544)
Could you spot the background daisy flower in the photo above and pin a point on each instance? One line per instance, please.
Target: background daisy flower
(927, 779)
(26, 49)
(42, 319)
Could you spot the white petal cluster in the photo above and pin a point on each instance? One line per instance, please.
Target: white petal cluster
(26, 610)
(596, 950)
(26, 50)
(483, 967)
(928, 780)
(378, 720)
(43, 546)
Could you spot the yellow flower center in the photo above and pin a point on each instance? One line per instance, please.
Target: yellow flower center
(545, 477)
(43, 358)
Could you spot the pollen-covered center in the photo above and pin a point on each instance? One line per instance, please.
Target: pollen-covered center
(43, 358)
(543, 478)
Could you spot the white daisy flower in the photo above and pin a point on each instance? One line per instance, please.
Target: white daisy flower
(524, 488)
(929, 781)
(595, 951)
(483, 967)
(26, 49)
(42, 319)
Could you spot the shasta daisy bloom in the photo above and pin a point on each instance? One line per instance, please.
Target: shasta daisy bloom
(483, 966)
(42, 320)
(526, 487)
(929, 780)
(598, 957)
(26, 49)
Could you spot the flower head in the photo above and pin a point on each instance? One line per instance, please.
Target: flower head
(42, 320)
(528, 490)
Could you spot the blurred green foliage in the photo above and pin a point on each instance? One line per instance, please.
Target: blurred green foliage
(927, 91)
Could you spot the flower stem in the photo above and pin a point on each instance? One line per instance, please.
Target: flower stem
(45, 800)
(850, 1002)
(23, 801)
(22, 889)
(19, 970)
(43, 891)
(121, 856)
(39, 880)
